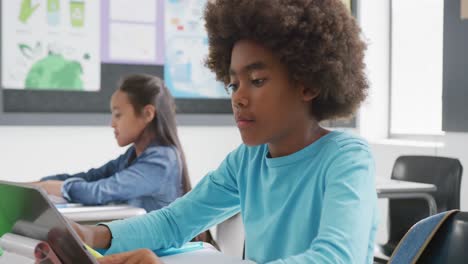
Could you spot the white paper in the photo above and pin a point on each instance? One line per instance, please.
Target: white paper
(206, 256)
(134, 10)
(9, 258)
(20, 245)
(132, 42)
(21, 250)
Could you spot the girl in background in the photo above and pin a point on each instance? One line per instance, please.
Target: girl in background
(152, 172)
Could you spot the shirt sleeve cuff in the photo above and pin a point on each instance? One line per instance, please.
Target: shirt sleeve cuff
(66, 186)
(48, 178)
(116, 228)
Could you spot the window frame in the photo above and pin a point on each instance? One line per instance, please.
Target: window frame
(406, 136)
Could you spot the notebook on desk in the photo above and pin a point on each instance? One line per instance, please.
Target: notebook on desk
(26, 210)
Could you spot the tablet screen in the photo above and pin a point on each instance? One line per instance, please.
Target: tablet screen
(25, 210)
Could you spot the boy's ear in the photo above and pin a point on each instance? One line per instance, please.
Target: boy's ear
(149, 111)
(308, 94)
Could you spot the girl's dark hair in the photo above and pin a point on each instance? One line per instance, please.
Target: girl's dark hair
(145, 89)
(317, 40)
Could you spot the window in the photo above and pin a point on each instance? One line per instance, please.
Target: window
(416, 67)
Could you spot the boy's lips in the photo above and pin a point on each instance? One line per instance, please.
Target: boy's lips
(243, 121)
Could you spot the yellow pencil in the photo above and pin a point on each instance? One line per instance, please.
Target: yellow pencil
(93, 252)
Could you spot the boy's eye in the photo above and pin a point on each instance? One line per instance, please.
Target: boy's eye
(258, 82)
(231, 88)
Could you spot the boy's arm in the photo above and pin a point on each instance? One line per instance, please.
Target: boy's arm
(348, 213)
(213, 200)
(208, 204)
(99, 237)
(164, 228)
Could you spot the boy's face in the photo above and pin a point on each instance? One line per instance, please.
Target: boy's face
(128, 126)
(267, 105)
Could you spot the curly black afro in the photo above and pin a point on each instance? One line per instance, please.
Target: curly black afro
(318, 41)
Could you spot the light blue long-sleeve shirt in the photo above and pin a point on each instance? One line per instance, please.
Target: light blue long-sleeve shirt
(317, 205)
(150, 181)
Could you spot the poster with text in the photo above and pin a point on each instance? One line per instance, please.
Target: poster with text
(186, 48)
(51, 45)
(132, 32)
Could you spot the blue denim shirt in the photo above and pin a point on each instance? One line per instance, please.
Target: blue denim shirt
(150, 181)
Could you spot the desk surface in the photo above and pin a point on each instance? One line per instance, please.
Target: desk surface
(100, 213)
(394, 189)
(394, 186)
(206, 256)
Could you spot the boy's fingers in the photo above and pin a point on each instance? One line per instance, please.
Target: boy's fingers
(137, 256)
(114, 259)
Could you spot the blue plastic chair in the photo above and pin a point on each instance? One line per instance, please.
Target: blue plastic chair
(441, 238)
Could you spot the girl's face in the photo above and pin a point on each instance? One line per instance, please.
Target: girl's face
(128, 125)
(268, 107)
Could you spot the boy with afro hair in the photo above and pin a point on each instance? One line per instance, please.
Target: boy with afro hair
(305, 194)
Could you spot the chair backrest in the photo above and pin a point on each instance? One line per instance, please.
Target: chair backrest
(450, 243)
(438, 239)
(443, 172)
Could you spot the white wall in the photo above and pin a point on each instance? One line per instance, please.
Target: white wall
(373, 16)
(28, 153)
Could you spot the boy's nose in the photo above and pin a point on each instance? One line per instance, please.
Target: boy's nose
(241, 102)
(240, 98)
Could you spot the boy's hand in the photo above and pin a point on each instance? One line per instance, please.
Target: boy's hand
(84, 232)
(94, 236)
(132, 257)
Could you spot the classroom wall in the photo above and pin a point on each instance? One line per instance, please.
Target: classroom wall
(28, 153)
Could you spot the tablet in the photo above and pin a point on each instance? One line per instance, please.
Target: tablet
(26, 210)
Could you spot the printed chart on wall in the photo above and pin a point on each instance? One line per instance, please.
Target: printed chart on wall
(135, 37)
(68, 56)
(51, 45)
(186, 48)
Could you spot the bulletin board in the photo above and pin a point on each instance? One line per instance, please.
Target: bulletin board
(61, 60)
(65, 58)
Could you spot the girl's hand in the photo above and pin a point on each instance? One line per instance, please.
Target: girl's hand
(51, 187)
(132, 257)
